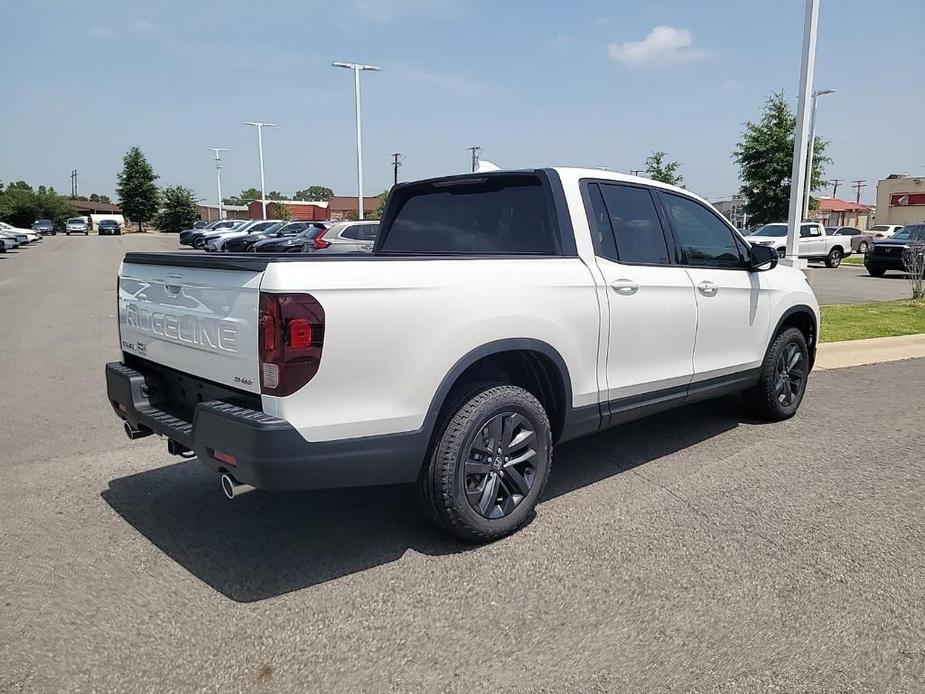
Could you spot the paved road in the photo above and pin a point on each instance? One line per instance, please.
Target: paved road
(853, 285)
(694, 551)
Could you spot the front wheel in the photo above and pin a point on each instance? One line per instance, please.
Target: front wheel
(833, 259)
(876, 271)
(782, 382)
(489, 465)
(862, 247)
(781, 252)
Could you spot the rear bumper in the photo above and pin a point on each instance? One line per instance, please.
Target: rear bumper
(269, 453)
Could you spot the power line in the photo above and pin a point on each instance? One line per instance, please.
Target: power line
(475, 149)
(396, 162)
(835, 182)
(860, 183)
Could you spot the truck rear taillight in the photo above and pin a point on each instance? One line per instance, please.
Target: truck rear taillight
(318, 242)
(291, 336)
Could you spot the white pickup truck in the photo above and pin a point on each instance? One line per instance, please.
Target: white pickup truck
(498, 314)
(814, 244)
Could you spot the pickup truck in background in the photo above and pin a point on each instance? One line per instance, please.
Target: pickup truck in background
(814, 243)
(498, 314)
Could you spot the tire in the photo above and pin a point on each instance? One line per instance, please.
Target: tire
(68, 233)
(862, 247)
(468, 490)
(199, 243)
(833, 259)
(781, 252)
(768, 398)
(876, 271)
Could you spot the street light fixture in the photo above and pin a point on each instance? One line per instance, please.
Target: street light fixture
(357, 69)
(263, 186)
(218, 174)
(812, 147)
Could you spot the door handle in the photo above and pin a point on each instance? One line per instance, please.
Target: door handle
(625, 287)
(707, 288)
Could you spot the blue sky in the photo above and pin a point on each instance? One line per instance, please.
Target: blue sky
(586, 82)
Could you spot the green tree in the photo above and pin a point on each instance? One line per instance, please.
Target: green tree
(138, 194)
(180, 210)
(380, 207)
(276, 195)
(765, 159)
(20, 205)
(658, 169)
(242, 198)
(283, 212)
(314, 193)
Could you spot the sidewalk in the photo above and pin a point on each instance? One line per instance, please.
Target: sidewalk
(838, 355)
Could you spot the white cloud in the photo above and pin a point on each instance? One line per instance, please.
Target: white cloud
(664, 45)
(98, 32)
(143, 27)
(385, 11)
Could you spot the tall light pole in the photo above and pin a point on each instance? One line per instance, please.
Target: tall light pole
(357, 69)
(218, 176)
(263, 185)
(801, 139)
(812, 147)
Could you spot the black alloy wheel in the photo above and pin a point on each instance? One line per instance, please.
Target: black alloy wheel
(791, 372)
(500, 468)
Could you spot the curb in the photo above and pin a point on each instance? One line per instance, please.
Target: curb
(840, 355)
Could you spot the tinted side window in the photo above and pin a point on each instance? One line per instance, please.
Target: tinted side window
(500, 214)
(706, 241)
(637, 229)
(361, 232)
(599, 223)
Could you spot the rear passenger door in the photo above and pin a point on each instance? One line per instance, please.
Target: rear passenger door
(651, 304)
(733, 308)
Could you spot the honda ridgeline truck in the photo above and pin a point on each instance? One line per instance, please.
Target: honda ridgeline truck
(498, 314)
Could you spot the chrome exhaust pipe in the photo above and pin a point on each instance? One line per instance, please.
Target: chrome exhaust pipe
(136, 433)
(233, 488)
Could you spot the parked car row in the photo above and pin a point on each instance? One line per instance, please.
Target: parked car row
(78, 225)
(13, 237)
(279, 236)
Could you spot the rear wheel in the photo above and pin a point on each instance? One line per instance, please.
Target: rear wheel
(862, 247)
(781, 252)
(876, 271)
(784, 373)
(833, 259)
(489, 465)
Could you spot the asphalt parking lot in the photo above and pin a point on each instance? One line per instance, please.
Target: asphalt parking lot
(695, 551)
(853, 285)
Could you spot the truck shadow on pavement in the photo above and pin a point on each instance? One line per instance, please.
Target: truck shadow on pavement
(268, 544)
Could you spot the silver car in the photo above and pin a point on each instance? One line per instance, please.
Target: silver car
(76, 225)
(344, 237)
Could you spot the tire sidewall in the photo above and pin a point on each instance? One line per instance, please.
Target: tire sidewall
(451, 451)
(790, 336)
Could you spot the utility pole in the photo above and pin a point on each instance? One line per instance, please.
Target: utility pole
(396, 162)
(636, 172)
(857, 187)
(475, 149)
(263, 184)
(74, 183)
(835, 182)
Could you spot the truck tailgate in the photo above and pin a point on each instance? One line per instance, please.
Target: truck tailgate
(199, 320)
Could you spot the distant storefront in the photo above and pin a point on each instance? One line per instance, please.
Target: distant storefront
(901, 199)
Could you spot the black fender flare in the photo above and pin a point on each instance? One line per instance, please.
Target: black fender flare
(488, 349)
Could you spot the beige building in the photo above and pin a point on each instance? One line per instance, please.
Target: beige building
(901, 200)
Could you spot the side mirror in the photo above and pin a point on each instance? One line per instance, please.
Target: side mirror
(762, 258)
